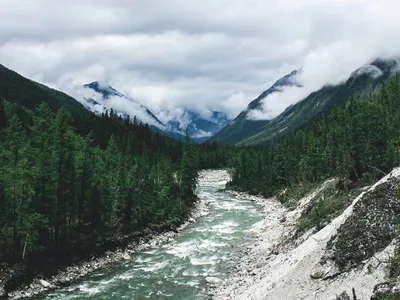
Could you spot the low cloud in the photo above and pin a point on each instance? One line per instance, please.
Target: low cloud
(174, 53)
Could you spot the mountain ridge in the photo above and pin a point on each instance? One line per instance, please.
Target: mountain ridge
(242, 126)
(362, 82)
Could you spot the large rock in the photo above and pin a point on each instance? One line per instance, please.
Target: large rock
(318, 273)
(324, 270)
(45, 283)
(126, 256)
(381, 291)
(343, 296)
(2, 291)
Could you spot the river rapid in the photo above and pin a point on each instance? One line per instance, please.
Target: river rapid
(181, 269)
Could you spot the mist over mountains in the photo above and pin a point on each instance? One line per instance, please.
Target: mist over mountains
(99, 97)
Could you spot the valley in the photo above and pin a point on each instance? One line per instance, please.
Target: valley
(200, 150)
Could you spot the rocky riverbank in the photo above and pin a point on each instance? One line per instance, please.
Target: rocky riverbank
(320, 263)
(41, 285)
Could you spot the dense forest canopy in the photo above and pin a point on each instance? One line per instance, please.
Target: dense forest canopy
(69, 190)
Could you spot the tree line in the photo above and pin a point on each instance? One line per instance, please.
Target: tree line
(358, 142)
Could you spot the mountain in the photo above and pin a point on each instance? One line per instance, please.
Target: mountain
(20, 90)
(200, 128)
(242, 127)
(108, 97)
(362, 82)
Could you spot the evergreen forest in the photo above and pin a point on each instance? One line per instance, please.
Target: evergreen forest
(75, 187)
(358, 142)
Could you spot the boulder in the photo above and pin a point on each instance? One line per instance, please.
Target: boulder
(318, 273)
(396, 289)
(324, 270)
(126, 256)
(343, 296)
(381, 291)
(45, 283)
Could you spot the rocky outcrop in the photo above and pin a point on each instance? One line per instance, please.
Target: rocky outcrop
(343, 296)
(374, 224)
(386, 290)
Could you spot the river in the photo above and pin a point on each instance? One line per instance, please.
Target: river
(178, 270)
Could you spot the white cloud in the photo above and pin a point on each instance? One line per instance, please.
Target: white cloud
(201, 54)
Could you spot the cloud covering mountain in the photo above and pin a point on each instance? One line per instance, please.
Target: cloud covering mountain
(99, 97)
(202, 55)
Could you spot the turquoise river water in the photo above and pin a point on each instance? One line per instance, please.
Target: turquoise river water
(178, 269)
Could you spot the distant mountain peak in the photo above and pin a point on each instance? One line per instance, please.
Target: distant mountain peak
(106, 90)
(287, 80)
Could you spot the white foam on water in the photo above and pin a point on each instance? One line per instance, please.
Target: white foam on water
(155, 267)
(226, 227)
(193, 283)
(91, 291)
(190, 273)
(105, 281)
(126, 276)
(210, 244)
(150, 251)
(183, 250)
(141, 260)
(160, 293)
(201, 261)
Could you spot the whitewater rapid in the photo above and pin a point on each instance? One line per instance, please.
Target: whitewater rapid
(183, 267)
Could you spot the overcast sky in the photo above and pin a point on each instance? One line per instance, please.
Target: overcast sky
(204, 54)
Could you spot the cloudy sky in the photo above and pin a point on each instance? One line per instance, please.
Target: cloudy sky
(204, 54)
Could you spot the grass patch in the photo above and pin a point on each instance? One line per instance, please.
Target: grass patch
(291, 196)
(371, 228)
(328, 205)
(394, 264)
(392, 297)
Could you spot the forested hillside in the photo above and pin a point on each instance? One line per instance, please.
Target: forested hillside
(66, 194)
(358, 142)
(20, 90)
(242, 127)
(361, 83)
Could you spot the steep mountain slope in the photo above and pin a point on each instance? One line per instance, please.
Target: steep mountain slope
(108, 97)
(242, 127)
(362, 82)
(18, 89)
